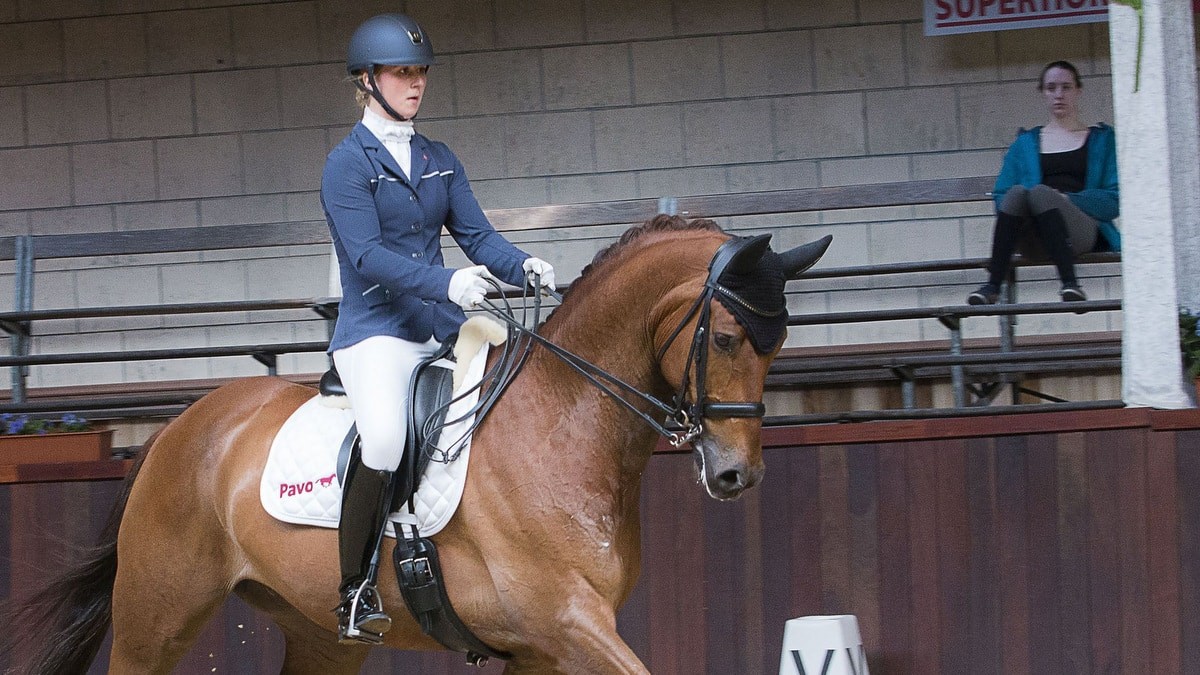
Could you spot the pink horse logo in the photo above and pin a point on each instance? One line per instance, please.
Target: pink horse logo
(327, 480)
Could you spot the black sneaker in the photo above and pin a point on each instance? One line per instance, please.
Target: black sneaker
(986, 294)
(1072, 293)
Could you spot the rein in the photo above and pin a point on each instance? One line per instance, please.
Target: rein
(497, 379)
(677, 434)
(685, 421)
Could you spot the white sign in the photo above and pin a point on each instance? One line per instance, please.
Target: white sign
(946, 17)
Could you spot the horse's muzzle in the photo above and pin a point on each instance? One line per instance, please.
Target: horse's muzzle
(724, 477)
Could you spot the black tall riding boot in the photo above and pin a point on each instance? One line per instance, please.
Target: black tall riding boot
(366, 496)
(1053, 231)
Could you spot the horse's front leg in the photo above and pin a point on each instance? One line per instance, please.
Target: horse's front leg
(579, 638)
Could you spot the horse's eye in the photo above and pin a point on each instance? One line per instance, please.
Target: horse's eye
(723, 341)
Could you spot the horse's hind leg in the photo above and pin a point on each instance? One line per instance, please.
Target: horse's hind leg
(173, 573)
(158, 612)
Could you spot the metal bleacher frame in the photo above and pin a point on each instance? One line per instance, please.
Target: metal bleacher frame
(24, 250)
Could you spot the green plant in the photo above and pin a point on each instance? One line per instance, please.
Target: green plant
(11, 424)
(1189, 342)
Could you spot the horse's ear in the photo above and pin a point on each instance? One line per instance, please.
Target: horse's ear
(750, 250)
(797, 261)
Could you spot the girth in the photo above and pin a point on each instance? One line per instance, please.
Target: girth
(420, 575)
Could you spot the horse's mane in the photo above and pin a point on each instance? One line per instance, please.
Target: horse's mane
(660, 223)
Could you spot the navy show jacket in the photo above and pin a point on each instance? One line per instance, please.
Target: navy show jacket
(387, 230)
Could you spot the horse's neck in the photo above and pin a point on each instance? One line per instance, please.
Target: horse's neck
(584, 451)
(611, 323)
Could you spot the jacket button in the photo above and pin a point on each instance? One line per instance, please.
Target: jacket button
(416, 254)
(416, 226)
(412, 198)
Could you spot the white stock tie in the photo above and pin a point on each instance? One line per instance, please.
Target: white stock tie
(396, 138)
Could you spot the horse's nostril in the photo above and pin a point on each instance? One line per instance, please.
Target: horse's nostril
(731, 479)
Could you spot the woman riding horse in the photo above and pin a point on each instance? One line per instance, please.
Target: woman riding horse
(545, 545)
(387, 192)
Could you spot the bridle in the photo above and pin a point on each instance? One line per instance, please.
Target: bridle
(691, 415)
(684, 418)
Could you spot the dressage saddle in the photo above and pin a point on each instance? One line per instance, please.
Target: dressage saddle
(429, 397)
(418, 569)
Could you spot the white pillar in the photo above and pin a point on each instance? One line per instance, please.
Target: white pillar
(1158, 157)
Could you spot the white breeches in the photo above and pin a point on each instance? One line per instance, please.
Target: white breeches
(376, 374)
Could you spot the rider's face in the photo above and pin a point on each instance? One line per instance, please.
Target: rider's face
(402, 86)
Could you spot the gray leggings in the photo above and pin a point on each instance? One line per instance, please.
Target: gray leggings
(1082, 229)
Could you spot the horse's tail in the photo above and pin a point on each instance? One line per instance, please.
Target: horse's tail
(64, 621)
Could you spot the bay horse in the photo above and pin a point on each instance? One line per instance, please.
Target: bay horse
(545, 546)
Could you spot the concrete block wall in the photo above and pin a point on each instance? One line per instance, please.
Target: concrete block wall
(180, 113)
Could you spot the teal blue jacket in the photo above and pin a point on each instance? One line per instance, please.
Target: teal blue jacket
(1099, 197)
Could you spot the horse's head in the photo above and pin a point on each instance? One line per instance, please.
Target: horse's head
(716, 354)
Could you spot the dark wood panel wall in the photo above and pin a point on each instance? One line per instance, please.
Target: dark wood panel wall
(1053, 552)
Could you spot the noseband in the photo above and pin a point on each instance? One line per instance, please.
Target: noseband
(684, 418)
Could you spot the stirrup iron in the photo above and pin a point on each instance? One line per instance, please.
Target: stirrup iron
(352, 628)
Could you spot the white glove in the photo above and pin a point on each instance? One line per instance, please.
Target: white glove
(468, 286)
(541, 268)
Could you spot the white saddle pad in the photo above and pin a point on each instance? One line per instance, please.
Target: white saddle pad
(300, 485)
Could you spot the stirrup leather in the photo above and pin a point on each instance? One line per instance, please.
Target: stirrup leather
(361, 617)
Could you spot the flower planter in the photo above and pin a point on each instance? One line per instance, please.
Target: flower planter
(70, 446)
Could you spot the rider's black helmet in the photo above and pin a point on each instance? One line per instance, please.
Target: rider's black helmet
(388, 40)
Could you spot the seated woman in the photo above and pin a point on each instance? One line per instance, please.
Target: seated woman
(1056, 195)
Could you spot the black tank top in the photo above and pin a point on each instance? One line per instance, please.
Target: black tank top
(1065, 171)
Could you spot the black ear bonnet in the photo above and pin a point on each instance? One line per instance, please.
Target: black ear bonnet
(747, 277)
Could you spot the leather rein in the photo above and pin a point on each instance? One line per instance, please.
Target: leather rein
(684, 419)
